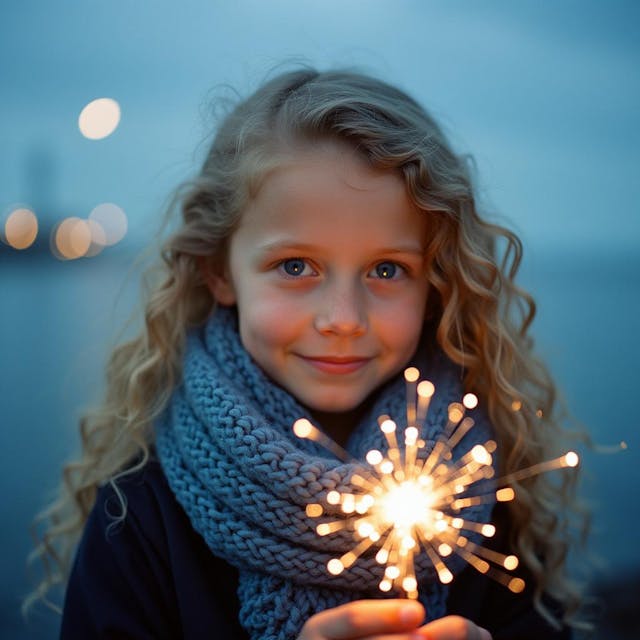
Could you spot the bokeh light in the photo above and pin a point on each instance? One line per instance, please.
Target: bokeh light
(113, 221)
(99, 118)
(71, 239)
(98, 238)
(21, 228)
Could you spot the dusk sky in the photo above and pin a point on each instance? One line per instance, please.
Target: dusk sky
(546, 96)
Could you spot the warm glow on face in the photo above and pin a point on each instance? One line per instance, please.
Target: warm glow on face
(21, 228)
(328, 209)
(99, 118)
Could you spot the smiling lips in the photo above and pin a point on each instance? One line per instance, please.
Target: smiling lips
(336, 364)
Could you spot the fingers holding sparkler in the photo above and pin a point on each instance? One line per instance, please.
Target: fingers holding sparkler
(451, 628)
(364, 618)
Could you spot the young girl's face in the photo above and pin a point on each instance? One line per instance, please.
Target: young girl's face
(328, 275)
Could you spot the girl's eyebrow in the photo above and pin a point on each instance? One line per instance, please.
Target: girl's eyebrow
(280, 245)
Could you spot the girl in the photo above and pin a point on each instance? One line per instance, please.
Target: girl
(330, 240)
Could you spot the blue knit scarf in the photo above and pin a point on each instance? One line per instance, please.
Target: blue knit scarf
(227, 449)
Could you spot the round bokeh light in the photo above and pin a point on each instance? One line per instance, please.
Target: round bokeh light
(99, 118)
(113, 221)
(72, 238)
(21, 228)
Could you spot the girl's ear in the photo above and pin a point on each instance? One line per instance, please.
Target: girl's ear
(218, 283)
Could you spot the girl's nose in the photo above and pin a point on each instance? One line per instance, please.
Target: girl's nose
(341, 312)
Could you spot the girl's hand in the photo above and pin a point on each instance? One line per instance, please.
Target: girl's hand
(365, 619)
(451, 628)
(389, 619)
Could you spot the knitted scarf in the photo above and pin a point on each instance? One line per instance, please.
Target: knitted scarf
(244, 479)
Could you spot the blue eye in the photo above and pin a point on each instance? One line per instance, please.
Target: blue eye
(386, 270)
(294, 266)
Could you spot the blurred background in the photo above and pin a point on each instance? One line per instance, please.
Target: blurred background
(545, 95)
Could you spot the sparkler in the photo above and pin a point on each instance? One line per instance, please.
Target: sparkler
(407, 502)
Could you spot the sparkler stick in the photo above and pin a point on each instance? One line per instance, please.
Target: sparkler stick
(425, 393)
(406, 504)
(569, 459)
(304, 429)
(411, 376)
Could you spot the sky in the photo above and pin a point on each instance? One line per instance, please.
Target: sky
(545, 96)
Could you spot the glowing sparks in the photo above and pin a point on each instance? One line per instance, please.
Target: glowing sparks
(571, 459)
(413, 498)
(303, 428)
(505, 495)
(470, 401)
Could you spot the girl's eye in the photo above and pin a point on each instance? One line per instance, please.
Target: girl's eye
(294, 267)
(386, 271)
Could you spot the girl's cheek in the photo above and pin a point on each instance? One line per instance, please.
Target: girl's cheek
(271, 319)
(405, 313)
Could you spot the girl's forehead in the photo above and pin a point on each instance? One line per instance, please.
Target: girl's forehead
(328, 157)
(328, 192)
(328, 172)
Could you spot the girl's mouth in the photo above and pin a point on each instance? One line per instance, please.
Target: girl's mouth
(336, 364)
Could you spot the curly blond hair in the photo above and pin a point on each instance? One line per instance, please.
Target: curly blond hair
(479, 316)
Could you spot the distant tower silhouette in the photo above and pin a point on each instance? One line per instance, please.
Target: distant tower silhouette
(39, 186)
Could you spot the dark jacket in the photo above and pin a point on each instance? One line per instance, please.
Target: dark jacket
(154, 577)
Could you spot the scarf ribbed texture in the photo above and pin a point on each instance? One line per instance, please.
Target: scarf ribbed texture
(244, 479)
